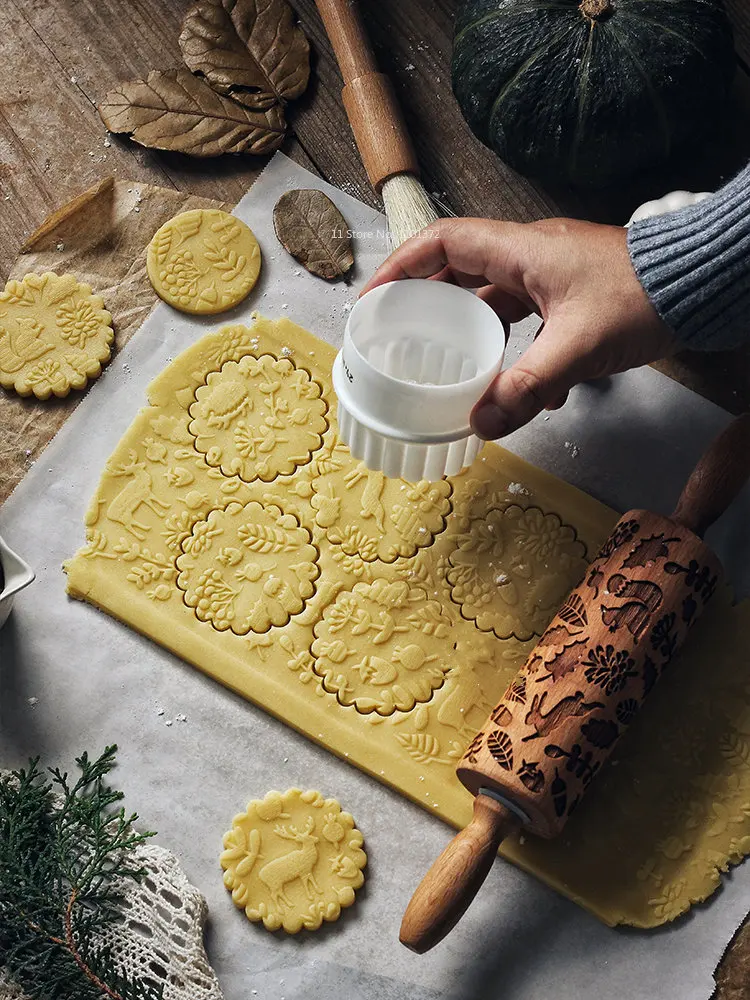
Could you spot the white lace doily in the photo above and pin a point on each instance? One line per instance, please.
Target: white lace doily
(160, 936)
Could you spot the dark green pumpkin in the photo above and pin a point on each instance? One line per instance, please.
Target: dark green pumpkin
(590, 94)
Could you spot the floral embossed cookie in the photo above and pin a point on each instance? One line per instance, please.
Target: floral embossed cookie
(203, 261)
(293, 860)
(54, 335)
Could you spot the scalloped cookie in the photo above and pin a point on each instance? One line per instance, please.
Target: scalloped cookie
(293, 860)
(55, 334)
(203, 261)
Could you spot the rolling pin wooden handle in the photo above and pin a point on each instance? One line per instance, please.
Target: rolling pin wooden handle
(448, 888)
(369, 101)
(717, 478)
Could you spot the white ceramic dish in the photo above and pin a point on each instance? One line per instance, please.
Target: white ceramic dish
(417, 356)
(16, 575)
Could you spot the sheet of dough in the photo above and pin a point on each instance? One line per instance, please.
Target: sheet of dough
(234, 529)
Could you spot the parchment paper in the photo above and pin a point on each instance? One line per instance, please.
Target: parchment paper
(630, 441)
(93, 237)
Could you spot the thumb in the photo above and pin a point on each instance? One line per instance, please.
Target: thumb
(539, 380)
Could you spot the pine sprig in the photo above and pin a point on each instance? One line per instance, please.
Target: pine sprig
(65, 850)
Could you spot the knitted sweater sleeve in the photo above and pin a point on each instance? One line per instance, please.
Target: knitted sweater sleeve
(695, 267)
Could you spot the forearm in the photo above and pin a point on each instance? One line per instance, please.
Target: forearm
(695, 267)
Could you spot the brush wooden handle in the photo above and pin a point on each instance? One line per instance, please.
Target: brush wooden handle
(369, 101)
(717, 478)
(453, 881)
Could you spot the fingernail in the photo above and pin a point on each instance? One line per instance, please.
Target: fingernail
(489, 422)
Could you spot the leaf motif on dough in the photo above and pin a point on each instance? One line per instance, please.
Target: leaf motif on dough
(423, 747)
(265, 538)
(500, 745)
(421, 718)
(251, 856)
(162, 244)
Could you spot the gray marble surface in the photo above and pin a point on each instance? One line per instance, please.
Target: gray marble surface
(96, 682)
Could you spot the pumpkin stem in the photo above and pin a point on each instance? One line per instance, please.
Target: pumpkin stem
(596, 10)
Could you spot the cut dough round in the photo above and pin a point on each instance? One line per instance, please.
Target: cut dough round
(203, 261)
(54, 335)
(293, 860)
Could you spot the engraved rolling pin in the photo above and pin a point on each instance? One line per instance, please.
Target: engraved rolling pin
(584, 683)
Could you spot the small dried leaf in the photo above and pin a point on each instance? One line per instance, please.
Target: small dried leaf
(175, 110)
(310, 227)
(249, 49)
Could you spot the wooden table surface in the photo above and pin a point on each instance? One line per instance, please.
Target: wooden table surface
(59, 57)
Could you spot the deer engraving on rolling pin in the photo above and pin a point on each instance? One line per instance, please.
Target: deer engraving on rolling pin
(297, 864)
(138, 491)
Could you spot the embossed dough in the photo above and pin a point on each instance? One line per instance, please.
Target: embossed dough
(385, 619)
(203, 261)
(293, 860)
(54, 335)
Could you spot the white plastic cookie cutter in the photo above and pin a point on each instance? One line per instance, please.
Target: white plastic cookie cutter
(417, 356)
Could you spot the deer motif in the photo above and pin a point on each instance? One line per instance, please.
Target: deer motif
(138, 491)
(297, 864)
(462, 695)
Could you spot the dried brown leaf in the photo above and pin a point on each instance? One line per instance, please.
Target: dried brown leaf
(249, 49)
(312, 229)
(175, 110)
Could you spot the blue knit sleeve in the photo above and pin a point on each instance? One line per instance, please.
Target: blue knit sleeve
(695, 267)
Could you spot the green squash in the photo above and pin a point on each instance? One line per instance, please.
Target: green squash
(590, 93)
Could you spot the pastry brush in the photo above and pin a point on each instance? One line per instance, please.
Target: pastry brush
(377, 123)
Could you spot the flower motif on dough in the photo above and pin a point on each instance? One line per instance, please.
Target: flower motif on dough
(511, 568)
(181, 276)
(393, 518)
(78, 321)
(178, 528)
(267, 585)
(47, 372)
(258, 418)
(378, 647)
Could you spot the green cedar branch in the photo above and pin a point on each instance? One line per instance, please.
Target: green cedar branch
(65, 851)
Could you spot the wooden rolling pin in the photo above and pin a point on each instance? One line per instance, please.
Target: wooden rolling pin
(584, 683)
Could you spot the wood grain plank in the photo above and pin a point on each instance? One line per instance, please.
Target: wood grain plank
(56, 62)
(739, 15)
(412, 42)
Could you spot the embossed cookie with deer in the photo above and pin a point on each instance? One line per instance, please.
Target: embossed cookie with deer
(293, 860)
(55, 334)
(203, 261)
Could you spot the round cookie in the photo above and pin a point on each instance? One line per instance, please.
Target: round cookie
(293, 860)
(203, 261)
(54, 335)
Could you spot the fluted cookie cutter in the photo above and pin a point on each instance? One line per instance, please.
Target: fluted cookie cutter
(417, 356)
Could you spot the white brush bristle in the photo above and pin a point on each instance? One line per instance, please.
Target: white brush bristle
(408, 207)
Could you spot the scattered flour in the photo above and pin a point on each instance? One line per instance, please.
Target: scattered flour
(518, 490)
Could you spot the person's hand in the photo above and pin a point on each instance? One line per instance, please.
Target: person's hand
(596, 317)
